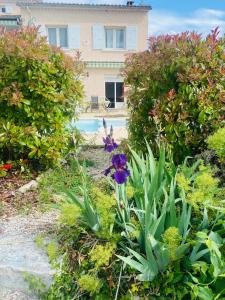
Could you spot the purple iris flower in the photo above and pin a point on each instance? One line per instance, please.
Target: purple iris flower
(110, 144)
(119, 161)
(119, 164)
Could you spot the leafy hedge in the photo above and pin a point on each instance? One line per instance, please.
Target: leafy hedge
(177, 91)
(39, 90)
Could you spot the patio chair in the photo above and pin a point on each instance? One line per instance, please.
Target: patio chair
(94, 102)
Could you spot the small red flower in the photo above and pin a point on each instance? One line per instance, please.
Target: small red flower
(6, 167)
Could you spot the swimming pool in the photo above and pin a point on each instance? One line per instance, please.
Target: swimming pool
(94, 125)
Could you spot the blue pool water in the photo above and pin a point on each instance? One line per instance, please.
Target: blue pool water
(94, 125)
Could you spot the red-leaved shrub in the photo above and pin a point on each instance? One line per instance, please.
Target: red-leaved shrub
(177, 91)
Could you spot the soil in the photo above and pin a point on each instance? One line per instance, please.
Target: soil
(101, 160)
(10, 200)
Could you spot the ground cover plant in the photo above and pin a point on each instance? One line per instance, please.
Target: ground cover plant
(176, 92)
(39, 91)
(154, 230)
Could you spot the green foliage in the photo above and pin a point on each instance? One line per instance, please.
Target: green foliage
(101, 254)
(39, 241)
(105, 206)
(156, 212)
(146, 239)
(97, 208)
(69, 214)
(3, 173)
(53, 181)
(63, 288)
(89, 283)
(89, 216)
(35, 284)
(217, 143)
(39, 91)
(176, 92)
(202, 190)
(53, 251)
(173, 239)
(171, 235)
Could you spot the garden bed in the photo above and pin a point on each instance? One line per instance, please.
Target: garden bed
(11, 199)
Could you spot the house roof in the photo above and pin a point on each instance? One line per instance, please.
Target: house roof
(77, 5)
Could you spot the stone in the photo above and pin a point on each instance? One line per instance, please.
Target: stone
(19, 254)
(33, 184)
(6, 294)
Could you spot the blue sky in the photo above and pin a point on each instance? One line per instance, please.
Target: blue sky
(180, 15)
(173, 16)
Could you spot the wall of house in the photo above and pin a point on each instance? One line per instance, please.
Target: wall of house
(83, 20)
(11, 7)
(86, 18)
(94, 81)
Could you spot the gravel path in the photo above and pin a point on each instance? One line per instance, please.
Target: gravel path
(100, 158)
(18, 250)
(19, 253)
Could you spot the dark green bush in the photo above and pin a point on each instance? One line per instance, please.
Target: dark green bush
(39, 91)
(177, 91)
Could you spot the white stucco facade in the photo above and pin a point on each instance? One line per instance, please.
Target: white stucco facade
(103, 34)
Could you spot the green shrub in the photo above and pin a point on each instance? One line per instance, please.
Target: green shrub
(217, 143)
(176, 92)
(39, 91)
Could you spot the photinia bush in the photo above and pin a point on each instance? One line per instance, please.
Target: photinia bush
(177, 91)
(39, 91)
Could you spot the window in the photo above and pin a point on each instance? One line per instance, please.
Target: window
(114, 92)
(58, 36)
(52, 38)
(6, 9)
(115, 38)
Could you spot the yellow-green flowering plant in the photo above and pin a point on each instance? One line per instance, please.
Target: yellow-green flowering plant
(217, 143)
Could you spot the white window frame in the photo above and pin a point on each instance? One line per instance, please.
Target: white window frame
(115, 80)
(114, 38)
(57, 27)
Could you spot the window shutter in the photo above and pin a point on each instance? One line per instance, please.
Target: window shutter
(98, 36)
(42, 30)
(74, 36)
(131, 34)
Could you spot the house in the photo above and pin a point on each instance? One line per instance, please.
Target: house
(104, 34)
(9, 15)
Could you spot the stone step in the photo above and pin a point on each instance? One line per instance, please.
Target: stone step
(19, 254)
